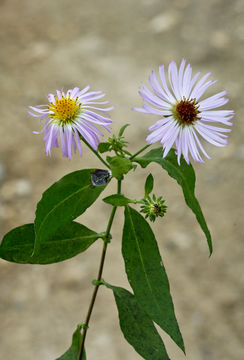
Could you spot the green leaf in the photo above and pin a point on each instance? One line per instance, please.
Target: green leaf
(149, 185)
(147, 275)
(64, 201)
(73, 352)
(70, 240)
(121, 132)
(119, 166)
(185, 176)
(103, 147)
(137, 327)
(118, 200)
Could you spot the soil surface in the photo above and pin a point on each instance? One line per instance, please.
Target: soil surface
(113, 46)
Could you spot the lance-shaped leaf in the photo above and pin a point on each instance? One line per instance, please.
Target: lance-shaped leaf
(185, 176)
(118, 200)
(73, 352)
(149, 185)
(64, 201)
(147, 275)
(121, 132)
(137, 327)
(70, 240)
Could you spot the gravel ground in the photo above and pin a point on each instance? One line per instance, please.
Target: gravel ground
(47, 45)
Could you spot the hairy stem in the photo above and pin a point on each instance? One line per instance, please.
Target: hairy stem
(100, 271)
(95, 152)
(139, 151)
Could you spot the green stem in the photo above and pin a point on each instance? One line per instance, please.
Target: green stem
(100, 271)
(95, 152)
(139, 151)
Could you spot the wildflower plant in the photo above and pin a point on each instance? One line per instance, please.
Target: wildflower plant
(77, 116)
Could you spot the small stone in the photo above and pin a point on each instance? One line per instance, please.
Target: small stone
(164, 22)
(13, 188)
(178, 240)
(220, 39)
(23, 187)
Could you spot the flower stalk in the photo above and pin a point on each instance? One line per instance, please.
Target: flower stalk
(139, 151)
(106, 240)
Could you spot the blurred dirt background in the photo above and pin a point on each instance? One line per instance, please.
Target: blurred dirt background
(113, 45)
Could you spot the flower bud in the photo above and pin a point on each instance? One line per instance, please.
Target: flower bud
(153, 207)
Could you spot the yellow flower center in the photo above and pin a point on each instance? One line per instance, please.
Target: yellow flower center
(186, 111)
(64, 110)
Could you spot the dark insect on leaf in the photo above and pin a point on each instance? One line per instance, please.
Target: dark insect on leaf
(100, 177)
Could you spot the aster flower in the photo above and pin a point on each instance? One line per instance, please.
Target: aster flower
(184, 118)
(71, 115)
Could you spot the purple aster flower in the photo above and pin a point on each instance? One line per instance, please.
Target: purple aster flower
(184, 118)
(70, 115)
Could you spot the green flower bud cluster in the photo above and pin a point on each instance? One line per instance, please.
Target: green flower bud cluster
(117, 143)
(153, 207)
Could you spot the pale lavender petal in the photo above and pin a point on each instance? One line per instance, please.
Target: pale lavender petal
(150, 110)
(63, 142)
(68, 138)
(78, 141)
(181, 73)
(169, 143)
(173, 79)
(211, 137)
(99, 109)
(83, 91)
(154, 99)
(89, 136)
(165, 86)
(32, 114)
(213, 105)
(141, 110)
(199, 85)
(59, 94)
(168, 131)
(96, 102)
(74, 143)
(187, 84)
(193, 146)
(91, 95)
(50, 138)
(179, 146)
(192, 83)
(158, 124)
(203, 88)
(51, 98)
(215, 128)
(40, 111)
(96, 118)
(218, 113)
(185, 141)
(159, 133)
(199, 144)
(153, 81)
(74, 93)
